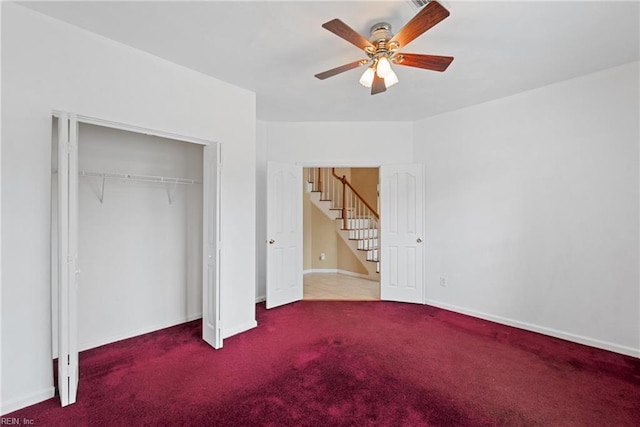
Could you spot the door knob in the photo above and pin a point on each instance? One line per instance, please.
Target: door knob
(271, 242)
(419, 240)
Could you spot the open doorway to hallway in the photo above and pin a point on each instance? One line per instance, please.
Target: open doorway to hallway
(341, 233)
(339, 287)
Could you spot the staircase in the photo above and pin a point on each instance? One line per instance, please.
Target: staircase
(357, 222)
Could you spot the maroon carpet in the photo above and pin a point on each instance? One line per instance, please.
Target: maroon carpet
(351, 363)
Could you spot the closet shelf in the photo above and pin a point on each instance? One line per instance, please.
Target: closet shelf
(145, 178)
(171, 182)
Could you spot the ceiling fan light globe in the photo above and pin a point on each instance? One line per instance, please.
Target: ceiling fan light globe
(367, 77)
(390, 79)
(384, 67)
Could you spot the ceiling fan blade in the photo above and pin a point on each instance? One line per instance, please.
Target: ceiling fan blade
(428, 62)
(341, 69)
(378, 85)
(344, 31)
(429, 16)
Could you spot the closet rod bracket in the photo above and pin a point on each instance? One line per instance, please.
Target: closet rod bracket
(171, 190)
(104, 177)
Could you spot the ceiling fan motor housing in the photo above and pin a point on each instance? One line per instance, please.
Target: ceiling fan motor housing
(380, 32)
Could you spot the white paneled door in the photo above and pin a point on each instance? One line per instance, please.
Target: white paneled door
(401, 233)
(67, 258)
(284, 234)
(211, 328)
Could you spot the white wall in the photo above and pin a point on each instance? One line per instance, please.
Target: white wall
(340, 143)
(334, 144)
(532, 209)
(48, 65)
(141, 257)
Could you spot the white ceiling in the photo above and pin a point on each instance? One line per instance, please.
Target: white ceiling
(274, 48)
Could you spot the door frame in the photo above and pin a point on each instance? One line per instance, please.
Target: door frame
(215, 295)
(324, 164)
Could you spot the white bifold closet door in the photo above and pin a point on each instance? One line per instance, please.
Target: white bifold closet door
(67, 258)
(211, 325)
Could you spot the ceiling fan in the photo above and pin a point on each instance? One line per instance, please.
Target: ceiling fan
(382, 48)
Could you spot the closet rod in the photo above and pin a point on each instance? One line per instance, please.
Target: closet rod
(145, 178)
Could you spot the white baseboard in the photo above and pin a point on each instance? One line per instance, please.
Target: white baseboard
(321, 270)
(261, 299)
(592, 342)
(28, 400)
(226, 333)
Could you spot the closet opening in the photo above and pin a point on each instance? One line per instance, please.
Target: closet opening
(146, 231)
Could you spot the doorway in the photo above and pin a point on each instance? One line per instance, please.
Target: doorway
(401, 233)
(341, 233)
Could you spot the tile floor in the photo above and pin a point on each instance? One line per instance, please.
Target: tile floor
(331, 286)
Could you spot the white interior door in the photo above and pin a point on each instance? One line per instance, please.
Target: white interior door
(284, 233)
(67, 258)
(211, 332)
(401, 233)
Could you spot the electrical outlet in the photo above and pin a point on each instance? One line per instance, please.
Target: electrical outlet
(322, 256)
(443, 282)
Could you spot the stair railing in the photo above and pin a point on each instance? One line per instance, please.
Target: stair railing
(357, 214)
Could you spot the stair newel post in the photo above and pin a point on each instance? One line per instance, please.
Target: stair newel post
(344, 203)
